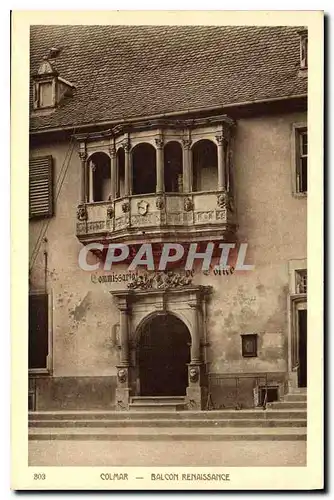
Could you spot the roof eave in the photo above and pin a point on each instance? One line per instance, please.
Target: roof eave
(166, 115)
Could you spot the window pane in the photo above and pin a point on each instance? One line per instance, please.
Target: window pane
(303, 51)
(304, 143)
(301, 281)
(45, 95)
(303, 175)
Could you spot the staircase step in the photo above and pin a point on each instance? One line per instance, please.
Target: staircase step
(200, 415)
(156, 407)
(157, 399)
(166, 434)
(284, 405)
(193, 423)
(295, 397)
(298, 390)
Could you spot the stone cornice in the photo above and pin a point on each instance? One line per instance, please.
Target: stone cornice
(158, 124)
(194, 290)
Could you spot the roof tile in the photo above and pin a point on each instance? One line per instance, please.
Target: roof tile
(123, 72)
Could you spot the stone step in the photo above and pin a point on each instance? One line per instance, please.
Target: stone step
(298, 390)
(285, 405)
(167, 434)
(194, 423)
(157, 399)
(183, 415)
(295, 397)
(155, 407)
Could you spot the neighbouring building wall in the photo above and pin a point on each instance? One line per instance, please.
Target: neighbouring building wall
(83, 313)
(84, 317)
(273, 222)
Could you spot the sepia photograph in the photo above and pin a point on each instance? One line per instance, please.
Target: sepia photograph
(168, 267)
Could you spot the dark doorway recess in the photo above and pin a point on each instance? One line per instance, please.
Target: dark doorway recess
(164, 351)
(302, 348)
(38, 331)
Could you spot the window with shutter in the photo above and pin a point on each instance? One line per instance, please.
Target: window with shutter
(41, 187)
(38, 332)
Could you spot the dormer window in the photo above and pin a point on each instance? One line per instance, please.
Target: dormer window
(303, 49)
(45, 97)
(48, 87)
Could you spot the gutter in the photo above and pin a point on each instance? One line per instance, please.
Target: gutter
(166, 115)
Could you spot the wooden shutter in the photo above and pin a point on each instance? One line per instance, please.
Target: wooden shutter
(41, 187)
(38, 331)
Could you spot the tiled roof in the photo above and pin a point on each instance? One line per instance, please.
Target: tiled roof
(123, 72)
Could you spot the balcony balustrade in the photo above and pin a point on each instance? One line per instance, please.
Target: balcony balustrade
(158, 217)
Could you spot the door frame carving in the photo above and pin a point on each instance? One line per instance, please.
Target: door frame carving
(297, 302)
(188, 303)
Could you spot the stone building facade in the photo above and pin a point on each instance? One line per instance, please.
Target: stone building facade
(167, 135)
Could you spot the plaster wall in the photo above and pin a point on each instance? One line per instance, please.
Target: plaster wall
(272, 220)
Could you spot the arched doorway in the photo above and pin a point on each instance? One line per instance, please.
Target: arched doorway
(163, 354)
(120, 172)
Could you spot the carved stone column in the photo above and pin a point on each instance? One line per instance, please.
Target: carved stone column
(160, 165)
(123, 369)
(230, 161)
(195, 352)
(112, 173)
(187, 167)
(124, 334)
(127, 166)
(195, 389)
(221, 162)
(92, 168)
(83, 159)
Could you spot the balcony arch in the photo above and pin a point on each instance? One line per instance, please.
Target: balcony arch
(99, 182)
(173, 167)
(144, 176)
(205, 165)
(120, 172)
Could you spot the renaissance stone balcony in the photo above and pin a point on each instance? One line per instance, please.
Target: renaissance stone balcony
(167, 181)
(174, 217)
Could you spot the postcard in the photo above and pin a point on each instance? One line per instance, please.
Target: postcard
(167, 243)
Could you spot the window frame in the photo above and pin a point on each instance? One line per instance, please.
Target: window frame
(295, 266)
(303, 48)
(49, 358)
(37, 89)
(301, 281)
(297, 130)
(296, 301)
(254, 338)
